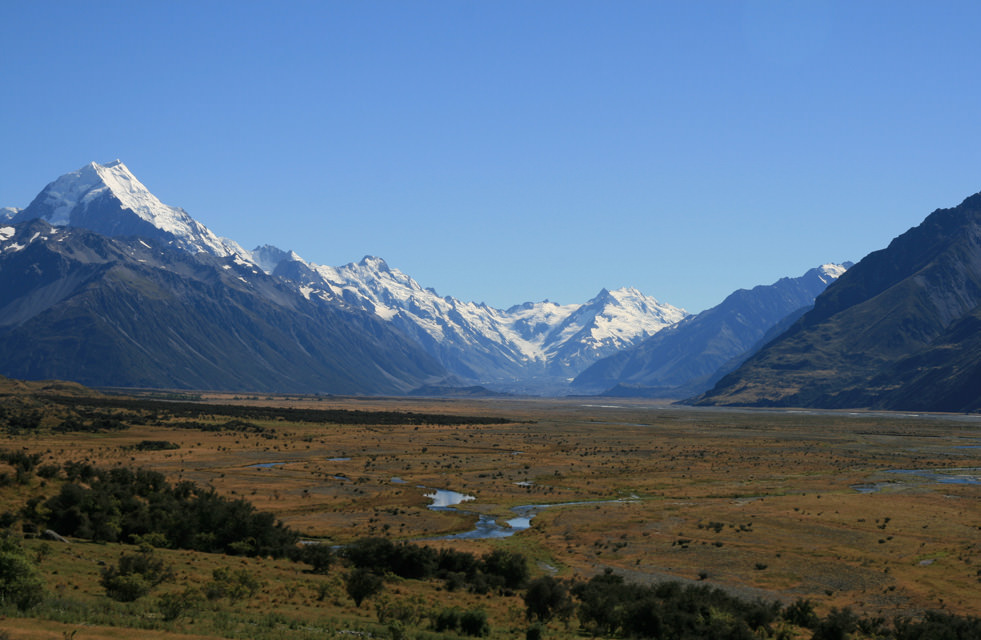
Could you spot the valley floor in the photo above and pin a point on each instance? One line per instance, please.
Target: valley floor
(876, 512)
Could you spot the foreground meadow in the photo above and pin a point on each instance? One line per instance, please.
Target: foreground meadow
(875, 512)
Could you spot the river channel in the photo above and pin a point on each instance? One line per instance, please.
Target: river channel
(487, 527)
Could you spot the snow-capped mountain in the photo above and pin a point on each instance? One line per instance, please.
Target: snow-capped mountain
(686, 358)
(108, 199)
(534, 340)
(545, 342)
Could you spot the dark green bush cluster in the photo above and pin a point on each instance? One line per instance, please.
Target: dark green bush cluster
(20, 582)
(20, 420)
(608, 606)
(318, 556)
(238, 426)
(295, 414)
(121, 504)
(23, 464)
(234, 585)
(938, 626)
(152, 445)
(499, 569)
(472, 622)
(134, 575)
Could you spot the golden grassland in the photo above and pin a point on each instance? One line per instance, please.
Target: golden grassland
(761, 503)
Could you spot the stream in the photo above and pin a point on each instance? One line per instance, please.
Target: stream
(487, 527)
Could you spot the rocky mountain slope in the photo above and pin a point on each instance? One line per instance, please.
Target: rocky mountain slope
(682, 360)
(103, 311)
(899, 330)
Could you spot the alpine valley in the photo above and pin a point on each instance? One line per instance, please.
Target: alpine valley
(105, 285)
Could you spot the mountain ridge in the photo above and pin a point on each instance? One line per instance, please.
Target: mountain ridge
(104, 311)
(869, 337)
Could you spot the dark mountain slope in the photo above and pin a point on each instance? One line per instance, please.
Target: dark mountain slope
(885, 333)
(125, 312)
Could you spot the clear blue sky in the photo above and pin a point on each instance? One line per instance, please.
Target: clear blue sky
(509, 151)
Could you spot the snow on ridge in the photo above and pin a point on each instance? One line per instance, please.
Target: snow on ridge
(78, 189)
(530, 332)
(832, 271)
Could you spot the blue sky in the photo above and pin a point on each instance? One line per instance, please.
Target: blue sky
(513, 151)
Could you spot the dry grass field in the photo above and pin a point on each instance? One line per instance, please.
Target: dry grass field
(776, 504)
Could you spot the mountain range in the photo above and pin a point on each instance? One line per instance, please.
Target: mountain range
(104, 284)
(528, 346)
(688, 357)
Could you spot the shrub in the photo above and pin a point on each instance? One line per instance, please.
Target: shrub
(134, 576)
(474, 623)
(233, 585)
(20, 583)
(174, 605)
(836, 626)
(535, 632)
(801, 613)
(447, 620)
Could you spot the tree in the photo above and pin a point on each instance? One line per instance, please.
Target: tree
(319, 556)
(20, 582)
(511, 567)
(546, 598)
(361, 584)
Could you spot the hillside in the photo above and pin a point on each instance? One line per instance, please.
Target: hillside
(897, 331)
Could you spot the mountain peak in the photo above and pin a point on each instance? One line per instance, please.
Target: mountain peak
(374, 262)
(109, 199)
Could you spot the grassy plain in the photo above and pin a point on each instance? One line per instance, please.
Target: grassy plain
(777, 504)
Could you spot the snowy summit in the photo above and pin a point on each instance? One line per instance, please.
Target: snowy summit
(109, 199)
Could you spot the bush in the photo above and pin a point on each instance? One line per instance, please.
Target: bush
(836, 626)
(134, 576)
(318, 556)
(447, 620)
(801, 613)
(121, 503)
(535, 632)
(234, 585)
(176, 604)
(474, 623)
(20, 583)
